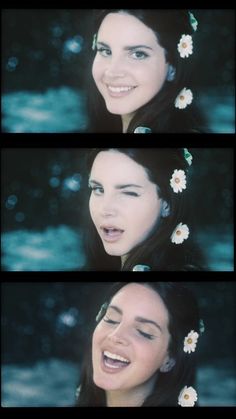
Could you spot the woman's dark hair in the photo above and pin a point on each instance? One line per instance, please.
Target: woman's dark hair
(160, 114)
(157, 251)
(183, 314)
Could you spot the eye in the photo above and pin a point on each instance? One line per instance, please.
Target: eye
(139, 55)
(131, 193)
(146, 335)
(108, 320)
(104, 52)
(96, 190)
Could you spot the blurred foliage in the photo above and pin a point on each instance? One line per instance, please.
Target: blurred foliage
(45, 187)
(44, 48)
(42, 320)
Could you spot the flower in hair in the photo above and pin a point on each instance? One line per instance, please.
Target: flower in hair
(187, 397)
(180, 233)
(188, 156)
(178, 181)
(185, 46)
(94, 42)
(190, 342)
(184, 98)
(193, 21)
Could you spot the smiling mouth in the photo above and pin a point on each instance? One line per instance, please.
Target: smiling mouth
(118, 91)
(113, 361)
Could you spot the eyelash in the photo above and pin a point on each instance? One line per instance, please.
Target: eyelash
(145, 335)
(98, 191)
(105, 52)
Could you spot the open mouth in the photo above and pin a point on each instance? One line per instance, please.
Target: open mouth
(114, 361)
(111, 234)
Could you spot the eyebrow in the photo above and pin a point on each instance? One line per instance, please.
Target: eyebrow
(138, 318)
(128, 185)
(127, 48)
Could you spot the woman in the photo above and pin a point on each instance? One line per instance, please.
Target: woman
(143, 348)
(139, 213)
(139, 68)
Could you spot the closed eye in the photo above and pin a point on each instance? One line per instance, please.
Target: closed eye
(107, 320)
(146, 335)
(130, 193)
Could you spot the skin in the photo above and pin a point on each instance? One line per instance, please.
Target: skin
(125, 330)
(134, 60)
(123, 215)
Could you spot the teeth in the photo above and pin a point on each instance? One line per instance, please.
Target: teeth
(120, 89)
(115, 356)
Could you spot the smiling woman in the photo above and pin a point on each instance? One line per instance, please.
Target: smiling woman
(140, 218)
(140, 71)
(142, 354)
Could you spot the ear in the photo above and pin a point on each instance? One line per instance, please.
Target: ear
(170, 73)
(167, 365)
(165, 210)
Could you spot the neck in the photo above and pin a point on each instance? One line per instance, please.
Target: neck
(123, 399)
(125, 121)
(133, 397)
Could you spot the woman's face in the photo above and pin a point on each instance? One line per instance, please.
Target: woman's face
(130, 66)
(130, 343)
(124, 203)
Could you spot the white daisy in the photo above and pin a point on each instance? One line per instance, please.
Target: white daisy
(184, 98)
(190, 342)
(185, 46)
(180, 233)
(187, 397)
(178, 181)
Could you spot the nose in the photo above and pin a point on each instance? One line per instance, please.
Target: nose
(108, 207)
(118, 337)
(115, 68)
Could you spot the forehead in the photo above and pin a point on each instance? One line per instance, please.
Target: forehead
(126, 28)
(112, 164)
(141, 300)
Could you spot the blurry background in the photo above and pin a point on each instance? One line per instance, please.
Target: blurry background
(43, 194)
(45, 327)
(44, 57)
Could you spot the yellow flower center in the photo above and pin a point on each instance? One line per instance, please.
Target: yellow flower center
(177, 180)
(178, 232)
(184, 45)
(186, 396)
(189, 341)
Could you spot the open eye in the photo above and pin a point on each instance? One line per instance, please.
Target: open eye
(96, 190)
(139, 55)
(104, 52)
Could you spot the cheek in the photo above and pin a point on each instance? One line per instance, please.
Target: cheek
(92, 209)
(96, 71)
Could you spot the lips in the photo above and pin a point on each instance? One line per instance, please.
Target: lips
(119, 91)
(111, 233)
(113, 362)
